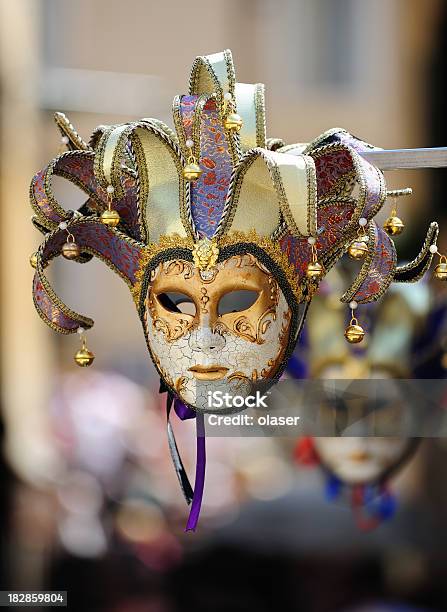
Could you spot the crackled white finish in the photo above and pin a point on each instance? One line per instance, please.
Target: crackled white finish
(246, 360)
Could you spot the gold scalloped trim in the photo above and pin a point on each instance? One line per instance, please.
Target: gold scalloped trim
(149, 252)
(272, 249)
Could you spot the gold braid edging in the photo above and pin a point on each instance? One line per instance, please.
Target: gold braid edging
(273, 251)
(150, 251)
(271, 248)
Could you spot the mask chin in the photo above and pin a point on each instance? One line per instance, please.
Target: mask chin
(227, 334)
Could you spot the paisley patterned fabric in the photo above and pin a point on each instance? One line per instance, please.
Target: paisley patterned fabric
(51, 312)
(99, 240)
(209, 192)
(380, 271)
(332, 220)
(334, 169)
(104, 242)
(376, 192)
(339, 135)
(77, 167)
(41, 200)
(187, 109)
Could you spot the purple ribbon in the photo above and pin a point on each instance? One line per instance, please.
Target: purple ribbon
(184, 413)
(200, 474)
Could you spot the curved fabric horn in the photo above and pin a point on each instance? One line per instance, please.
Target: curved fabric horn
(415, 269)
(333, 217)
(339, 168)
(163, 127)
(118, 251)
(266, 185)
(378, 270)
(274, 144)
(77, 167)
(341, 136)
(213, 74)
(250, 104)
(75, 142)
(159, 162)
(197, 118)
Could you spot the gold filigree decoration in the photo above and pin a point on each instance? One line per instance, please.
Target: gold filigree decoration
(243, 327)
(176, 241)
(149, 252)
(177, 267)
(180, 384)
(205, 254)
(172, 331)
(240, 378)
(272, 249)
(204, 299)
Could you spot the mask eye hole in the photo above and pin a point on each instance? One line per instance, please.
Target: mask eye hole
(177, 302)
(236, 301)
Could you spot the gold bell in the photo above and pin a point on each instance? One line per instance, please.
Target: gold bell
(33, 260)
(358, 248)
(233, 122)
(440, 271)
(314, 270)
(70, 250)
(110, 217)
(192, 170)
(393, 226)
(354, 333)
(84, 357)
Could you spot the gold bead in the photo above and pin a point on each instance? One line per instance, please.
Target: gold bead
(84, 357)
(314, 271)
(70, 250)
(358, 248)
(233, 122)
(33, 260)
(393, 226)
(354, 333)
(110, 218)
(440, 271)
(192, 171)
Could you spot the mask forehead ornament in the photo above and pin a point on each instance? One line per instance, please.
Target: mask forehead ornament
(211, 208)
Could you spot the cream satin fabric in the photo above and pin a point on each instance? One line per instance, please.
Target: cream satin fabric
(159, 177)
(250, 106)
(269, 183)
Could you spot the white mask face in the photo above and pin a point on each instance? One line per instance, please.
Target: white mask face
(360, 460)
(218, 330)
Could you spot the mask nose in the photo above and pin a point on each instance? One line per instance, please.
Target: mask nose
(206, 341)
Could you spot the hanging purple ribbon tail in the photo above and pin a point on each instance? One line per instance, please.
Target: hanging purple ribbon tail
(184, 412)
(200, 474)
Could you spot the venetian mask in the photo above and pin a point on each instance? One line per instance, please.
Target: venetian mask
(361, 460)
(223, 331)
(221, 234)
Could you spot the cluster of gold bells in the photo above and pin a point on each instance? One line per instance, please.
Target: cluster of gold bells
(232, 123)
(205, 253)
(358, 249)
